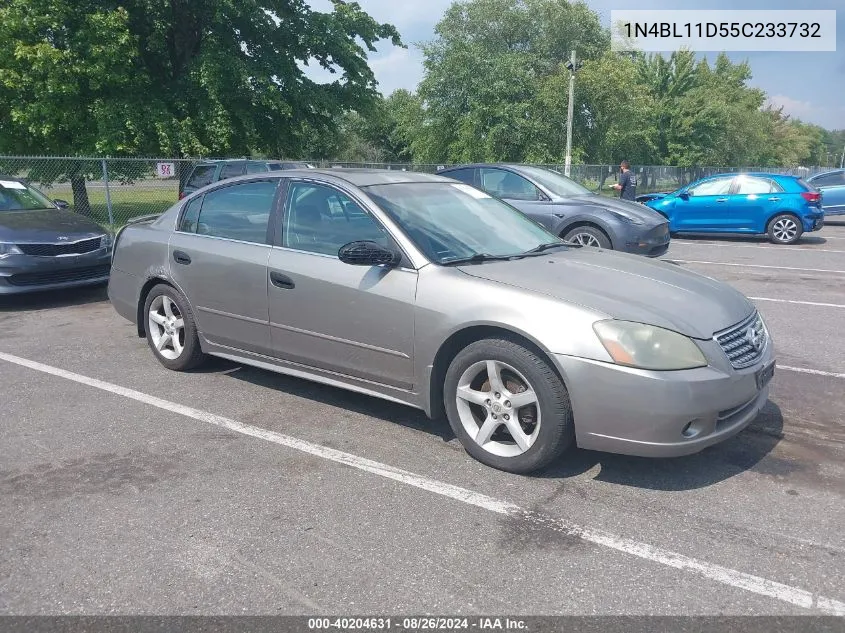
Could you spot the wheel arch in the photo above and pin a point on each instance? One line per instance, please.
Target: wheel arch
(465, 336)
(151, 283)
(562, 231)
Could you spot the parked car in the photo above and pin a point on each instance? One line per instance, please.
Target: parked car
(568, 209)
(831, 184)
(382, 283)
(45, 246)
(784, 207)
(210, 171)
(648, 197)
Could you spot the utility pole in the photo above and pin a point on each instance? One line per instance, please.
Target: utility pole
(572, 66)
(842, 160)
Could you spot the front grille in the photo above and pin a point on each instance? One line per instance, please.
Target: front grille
(744, 343)
(58, 276)
(67, 248)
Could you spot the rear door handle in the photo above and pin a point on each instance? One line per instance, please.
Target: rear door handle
(181, 258)
(775, 199)
(281, 281)
(721, 199)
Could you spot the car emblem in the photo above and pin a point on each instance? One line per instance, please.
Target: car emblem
(754, 337)
(63, 237)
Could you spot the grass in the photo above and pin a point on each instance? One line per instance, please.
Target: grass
(127, 202)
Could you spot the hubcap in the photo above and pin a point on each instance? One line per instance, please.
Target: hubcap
(785, 229)
(584, 239)
(498, 408)
(166, 327)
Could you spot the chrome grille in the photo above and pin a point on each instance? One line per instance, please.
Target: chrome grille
(744, 343)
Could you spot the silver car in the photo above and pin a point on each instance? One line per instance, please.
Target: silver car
(422, 290)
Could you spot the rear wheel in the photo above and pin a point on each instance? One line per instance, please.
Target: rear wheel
(588, 236)
(507, 406)
(171, 330)
(785, 229)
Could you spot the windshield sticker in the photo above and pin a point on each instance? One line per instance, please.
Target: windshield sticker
(475, 193)
(11, 184)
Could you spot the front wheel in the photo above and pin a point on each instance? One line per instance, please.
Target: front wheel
(785, 229)
(507, 406)
(588, 236)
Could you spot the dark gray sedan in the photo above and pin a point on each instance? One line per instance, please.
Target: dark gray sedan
(570, 210)
(381, 282)
(44, 246)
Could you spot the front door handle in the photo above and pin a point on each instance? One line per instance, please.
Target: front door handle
(181, 258)
(775, 199)
(721, 199)
(281, 281)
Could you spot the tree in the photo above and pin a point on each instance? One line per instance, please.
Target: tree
(185, 77)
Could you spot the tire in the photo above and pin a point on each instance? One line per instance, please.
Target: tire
(588, 236)
(785, 228)
(545, 422)
(187, 353)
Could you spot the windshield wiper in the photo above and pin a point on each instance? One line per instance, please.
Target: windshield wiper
(544, 247)
(477, 259)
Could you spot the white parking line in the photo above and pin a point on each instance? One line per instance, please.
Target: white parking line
(809, 270)
(815, 372)
(806, 249)
(803, 303)
(718, 573)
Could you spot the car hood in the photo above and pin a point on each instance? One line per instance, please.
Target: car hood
(633, 209)
(45, 225)
(626, 287)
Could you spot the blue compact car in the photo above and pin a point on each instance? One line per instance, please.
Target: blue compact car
(783, 207)
(832, 186)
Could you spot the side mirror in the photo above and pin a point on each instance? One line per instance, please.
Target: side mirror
(61, 204)
(683, 195)
(368, 253)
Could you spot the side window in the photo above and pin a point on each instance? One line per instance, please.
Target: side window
(202, 176)
(320, 219)
(239, 212)
(830, 180)
(253, 167)
(715, 187)
(230, 170)
(464, 175)
(190, 214)
(747, 185)
(508, 185)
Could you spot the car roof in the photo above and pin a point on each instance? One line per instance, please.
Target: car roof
(215, 161)
(474, 165)
(356, 177)
(755, 174)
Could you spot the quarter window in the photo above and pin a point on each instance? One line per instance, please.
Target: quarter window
(239, 212)
(190, 214)
(321, 219)
(507, 185)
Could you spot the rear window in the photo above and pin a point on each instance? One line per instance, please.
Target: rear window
(202, 176)
(805, 185)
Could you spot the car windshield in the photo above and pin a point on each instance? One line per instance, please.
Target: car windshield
(16, 196)
(555, 182)
(452, 221)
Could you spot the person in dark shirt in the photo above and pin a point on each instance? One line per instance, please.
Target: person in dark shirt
(627, 186)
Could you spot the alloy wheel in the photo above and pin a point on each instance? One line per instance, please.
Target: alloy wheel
(584, 239)
(167, 327)
(498, 408)
(785, 229)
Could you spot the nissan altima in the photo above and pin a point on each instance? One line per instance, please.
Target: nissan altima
(44, 246)
(422, 290)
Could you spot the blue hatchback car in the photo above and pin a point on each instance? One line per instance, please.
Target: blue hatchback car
(832, 186)
(784, 207)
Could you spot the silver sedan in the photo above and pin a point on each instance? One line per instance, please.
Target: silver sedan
(426, 291)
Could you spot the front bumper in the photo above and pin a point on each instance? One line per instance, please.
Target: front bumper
(21, 274)
(653, 242)
(660, 414)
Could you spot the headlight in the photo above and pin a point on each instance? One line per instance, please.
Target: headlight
(647, 346)
(625, 218)
(107, 241)
(7, 248)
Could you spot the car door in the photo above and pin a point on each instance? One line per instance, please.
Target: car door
(353, 320)
(218, 258)
(752, 201)
(516, 190)
(832, 187)
(704, 206)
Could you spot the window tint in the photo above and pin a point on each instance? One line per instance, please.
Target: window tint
(829, 180)
(464, 175)
(202, 176)
(715, 187)
(230, 170)
(239, 212)
(274, 166)
(747, 185)
(508, 185)
(253, 167)
(320, 219)
(190, 214)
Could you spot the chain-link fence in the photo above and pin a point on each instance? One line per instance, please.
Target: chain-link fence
(115, 190)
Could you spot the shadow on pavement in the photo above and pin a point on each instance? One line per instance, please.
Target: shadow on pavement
(54, 299)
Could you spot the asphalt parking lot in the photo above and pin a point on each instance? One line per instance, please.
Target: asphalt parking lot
(126, 488)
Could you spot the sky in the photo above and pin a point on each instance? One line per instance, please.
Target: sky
(808, 85)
